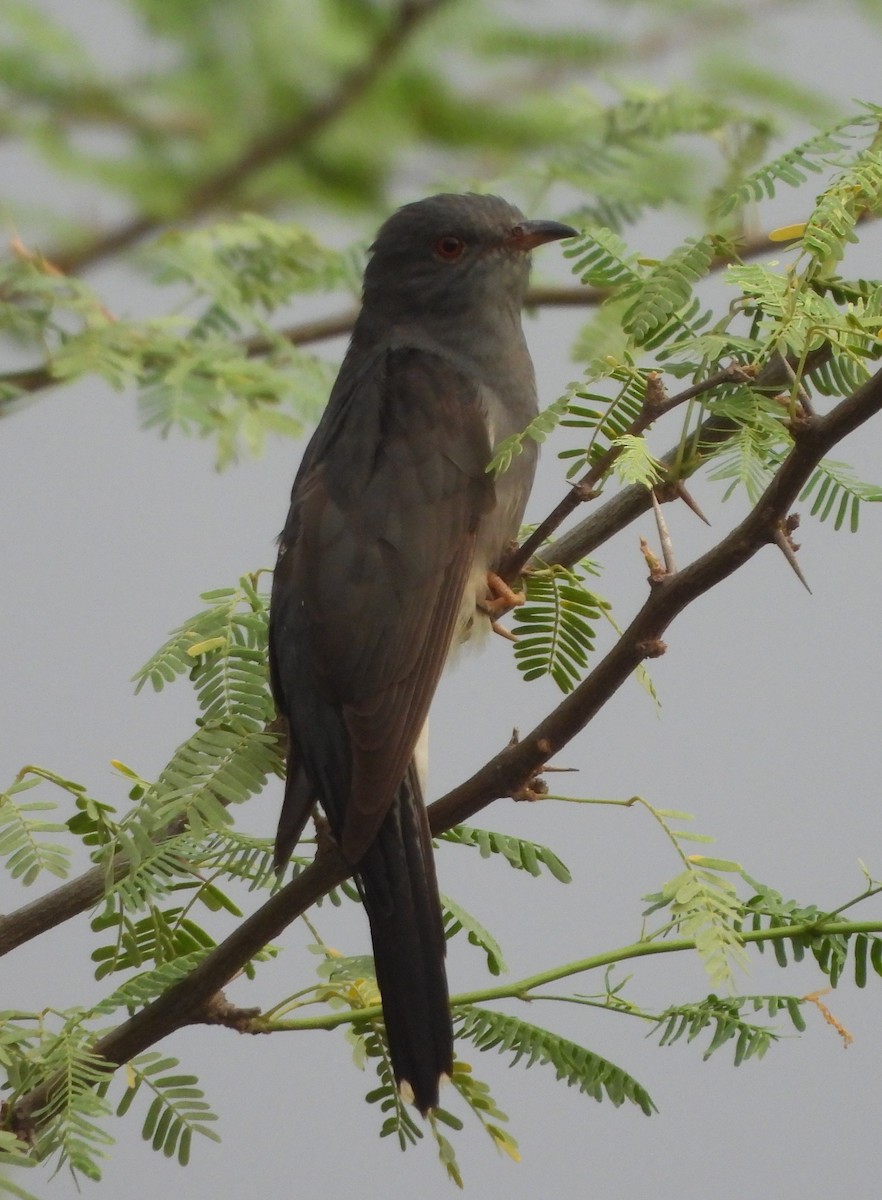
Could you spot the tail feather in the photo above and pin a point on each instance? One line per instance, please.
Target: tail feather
(400, 891)
(296, 808)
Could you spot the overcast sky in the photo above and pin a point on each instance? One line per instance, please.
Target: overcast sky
(769, 734)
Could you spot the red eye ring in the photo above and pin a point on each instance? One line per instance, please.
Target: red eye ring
(449, 247)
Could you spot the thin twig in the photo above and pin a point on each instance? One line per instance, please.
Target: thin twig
(527, 987)
(634, 500)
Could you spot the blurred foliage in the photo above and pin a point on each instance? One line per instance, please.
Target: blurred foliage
(213, 84)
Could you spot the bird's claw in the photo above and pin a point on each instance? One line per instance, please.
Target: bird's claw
(501, 600)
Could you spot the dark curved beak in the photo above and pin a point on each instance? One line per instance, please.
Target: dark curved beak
(527, 235)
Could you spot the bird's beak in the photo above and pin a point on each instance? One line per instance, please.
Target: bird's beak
(527, 235)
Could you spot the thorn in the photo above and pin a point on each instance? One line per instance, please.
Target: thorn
(785, 544)
(664, 536)
(681, 493)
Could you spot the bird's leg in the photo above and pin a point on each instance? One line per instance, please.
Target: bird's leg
(501, 600)
(504, 598)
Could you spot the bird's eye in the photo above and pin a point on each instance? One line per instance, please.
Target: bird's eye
(449, 248)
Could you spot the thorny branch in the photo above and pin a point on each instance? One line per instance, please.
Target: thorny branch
(516, 765)
(583, 489)
(629, 503)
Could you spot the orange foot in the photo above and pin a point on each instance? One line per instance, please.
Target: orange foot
(502, 600)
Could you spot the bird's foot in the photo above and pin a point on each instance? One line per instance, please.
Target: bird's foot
(501, 600)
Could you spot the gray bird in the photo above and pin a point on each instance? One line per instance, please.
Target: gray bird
(393, 527)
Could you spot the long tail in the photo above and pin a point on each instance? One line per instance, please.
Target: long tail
(400, 892)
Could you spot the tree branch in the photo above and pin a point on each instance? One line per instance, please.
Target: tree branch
(69, 900)
(630, 502)
(525, 988)
(515, 766)
(651, 410)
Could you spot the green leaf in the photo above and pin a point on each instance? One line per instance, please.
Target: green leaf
(667, 289)
(457, 919)
(602, 259)
(705, 906)
(723, 1016)
(555, 634)
(835, 481)
(177, 1109)
(573, 1064)
(635, 464)
(22, 843)
(811, 156)
(517, 852)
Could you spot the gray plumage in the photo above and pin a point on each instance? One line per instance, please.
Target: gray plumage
(393, 526)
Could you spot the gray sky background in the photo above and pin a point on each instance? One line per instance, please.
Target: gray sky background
(769, 734)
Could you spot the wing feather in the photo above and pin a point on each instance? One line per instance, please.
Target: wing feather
(373, 564)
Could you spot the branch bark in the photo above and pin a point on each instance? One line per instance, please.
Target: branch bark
(72, 898)
(515, 766)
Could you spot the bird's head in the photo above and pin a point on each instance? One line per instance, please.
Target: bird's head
(451, 254)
